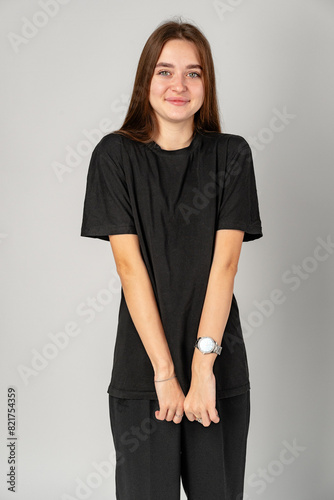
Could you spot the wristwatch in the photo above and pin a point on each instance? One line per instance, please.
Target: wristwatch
(207, 345)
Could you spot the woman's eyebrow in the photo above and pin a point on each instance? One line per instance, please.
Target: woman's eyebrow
(168, 65)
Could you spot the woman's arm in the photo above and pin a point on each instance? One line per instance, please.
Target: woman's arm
(201, 398)
(144, 312)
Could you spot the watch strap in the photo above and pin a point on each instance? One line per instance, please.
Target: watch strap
(217, 349)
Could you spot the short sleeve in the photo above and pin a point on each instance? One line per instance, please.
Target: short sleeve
(239, 207)
(107, 208)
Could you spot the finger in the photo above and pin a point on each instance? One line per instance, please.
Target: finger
(170, 414)
(190, 416)
(161, 414)
(157, 415)
(213, 415)
(177, 418)
(206, 421)
(179, 413)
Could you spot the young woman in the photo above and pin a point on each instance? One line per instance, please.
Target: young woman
(176, 198)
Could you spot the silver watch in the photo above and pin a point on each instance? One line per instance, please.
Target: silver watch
(207, 345)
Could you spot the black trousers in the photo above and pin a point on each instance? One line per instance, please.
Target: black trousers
(152, 456)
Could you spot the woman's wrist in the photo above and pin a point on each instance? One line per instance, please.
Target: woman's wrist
(165, 379)
(202, 363)
(164, 371)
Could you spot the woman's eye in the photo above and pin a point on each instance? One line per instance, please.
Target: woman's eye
(193, 74)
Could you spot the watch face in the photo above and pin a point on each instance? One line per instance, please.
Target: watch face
(206, 344)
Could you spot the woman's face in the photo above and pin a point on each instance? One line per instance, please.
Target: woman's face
(177, 87)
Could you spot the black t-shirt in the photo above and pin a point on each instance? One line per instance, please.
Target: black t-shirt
(175, 201)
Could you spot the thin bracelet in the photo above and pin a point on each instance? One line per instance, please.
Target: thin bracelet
(165, 379)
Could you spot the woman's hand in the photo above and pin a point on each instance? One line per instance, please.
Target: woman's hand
(201, 398)
(171, 399)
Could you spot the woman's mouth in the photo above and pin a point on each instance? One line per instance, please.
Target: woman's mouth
(177, 101)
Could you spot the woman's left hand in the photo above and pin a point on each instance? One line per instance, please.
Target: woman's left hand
(201, 398)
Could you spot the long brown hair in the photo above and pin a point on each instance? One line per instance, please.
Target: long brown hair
(140, 122)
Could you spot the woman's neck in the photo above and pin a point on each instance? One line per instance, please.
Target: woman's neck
(172, 138)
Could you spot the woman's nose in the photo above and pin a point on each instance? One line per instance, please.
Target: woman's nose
(178, 83)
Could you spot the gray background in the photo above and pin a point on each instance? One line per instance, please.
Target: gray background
(66, 83)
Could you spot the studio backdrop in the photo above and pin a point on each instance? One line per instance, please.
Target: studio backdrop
(68, 68)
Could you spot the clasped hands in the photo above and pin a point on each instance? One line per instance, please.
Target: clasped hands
(198, 405)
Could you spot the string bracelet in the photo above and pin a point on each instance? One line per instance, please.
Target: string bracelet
(165, 379)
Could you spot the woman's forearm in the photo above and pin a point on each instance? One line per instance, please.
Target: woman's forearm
(141, 302)
(215, 313)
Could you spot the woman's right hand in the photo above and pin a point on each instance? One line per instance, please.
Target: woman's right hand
(171, 399)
